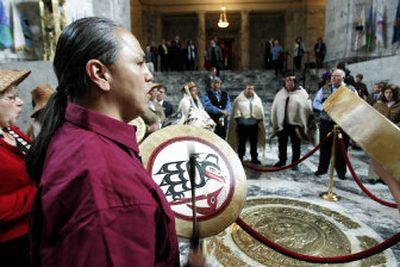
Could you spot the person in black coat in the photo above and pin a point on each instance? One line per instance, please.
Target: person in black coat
(319, 52)
(163, 51)
(361, 87)
(161, 96)
(268, 54)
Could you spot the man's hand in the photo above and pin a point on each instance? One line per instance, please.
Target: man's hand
(196, 259)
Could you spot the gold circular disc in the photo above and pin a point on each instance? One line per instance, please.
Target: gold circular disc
(220, 179)
(299, 226)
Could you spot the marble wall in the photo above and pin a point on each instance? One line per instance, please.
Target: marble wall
(315, 28)
(136, 19)
(379, 62)
(117, 10)
(376, 70)
(340, 33)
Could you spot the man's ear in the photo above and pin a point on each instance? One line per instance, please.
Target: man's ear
(98, 74)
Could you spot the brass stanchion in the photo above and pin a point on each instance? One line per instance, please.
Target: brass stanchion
(330, 196)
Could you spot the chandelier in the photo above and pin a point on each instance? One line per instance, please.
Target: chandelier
(223, 22)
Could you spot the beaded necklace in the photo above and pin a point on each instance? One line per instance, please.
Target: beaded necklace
(21, 143)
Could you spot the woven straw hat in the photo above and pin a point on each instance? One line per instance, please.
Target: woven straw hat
(11, 77)
(150, 86)
(40, 96)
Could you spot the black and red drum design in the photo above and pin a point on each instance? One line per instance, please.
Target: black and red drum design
(220, 180)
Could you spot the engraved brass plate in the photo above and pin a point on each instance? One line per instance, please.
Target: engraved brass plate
(295, 229)
(297, 225)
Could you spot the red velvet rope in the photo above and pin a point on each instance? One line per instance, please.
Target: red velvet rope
(317, 259)
(358, 181)
(274, 169)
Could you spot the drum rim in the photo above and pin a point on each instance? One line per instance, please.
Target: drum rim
(233, 206)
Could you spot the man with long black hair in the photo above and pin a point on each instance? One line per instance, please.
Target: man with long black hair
(96, 204)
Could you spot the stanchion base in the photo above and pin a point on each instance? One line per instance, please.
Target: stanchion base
(329, 196)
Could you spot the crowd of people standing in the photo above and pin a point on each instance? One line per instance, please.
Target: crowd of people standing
(172, 55)
(275, 56)
(296, 115)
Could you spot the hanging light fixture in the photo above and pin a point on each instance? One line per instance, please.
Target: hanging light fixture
(223, 22)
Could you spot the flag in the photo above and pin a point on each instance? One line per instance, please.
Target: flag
(19, 39)
(380, 25)
(396, 25)
(5, 33)
(361, 37)
(27, 32)
(370, 28)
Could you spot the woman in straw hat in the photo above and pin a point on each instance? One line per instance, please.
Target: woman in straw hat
(96, 204)
(17, 190)
(154, 114)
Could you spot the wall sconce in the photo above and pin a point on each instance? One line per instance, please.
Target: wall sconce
(223, 22)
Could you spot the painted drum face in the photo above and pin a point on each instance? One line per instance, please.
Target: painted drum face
(219, 181)
(214, 183)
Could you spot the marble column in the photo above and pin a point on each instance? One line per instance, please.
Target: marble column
(137, 20)
(158, 28)
(244, 40)
(201, 38)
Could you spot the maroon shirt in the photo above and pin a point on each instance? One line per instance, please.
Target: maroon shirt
(100, 206)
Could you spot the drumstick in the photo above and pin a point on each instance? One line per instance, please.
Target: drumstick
(192, 176)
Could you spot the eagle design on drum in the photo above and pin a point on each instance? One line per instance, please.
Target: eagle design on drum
(176, 179)
(219, 178)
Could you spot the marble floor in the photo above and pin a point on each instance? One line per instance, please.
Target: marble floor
(370, 222)
(374, 221)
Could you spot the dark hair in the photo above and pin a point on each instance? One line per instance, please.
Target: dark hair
(394, 91)
(291, 74)
(341, 65)
(81, 41)
(163, 86)
(360, 76)
(288, 74)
